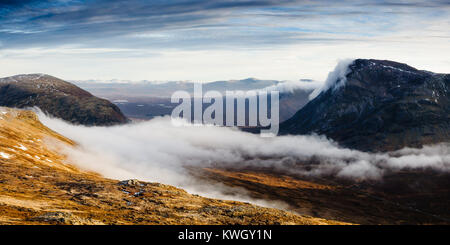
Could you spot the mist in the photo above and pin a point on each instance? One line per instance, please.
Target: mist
(158, 151)
(291, 86)
(335, 79)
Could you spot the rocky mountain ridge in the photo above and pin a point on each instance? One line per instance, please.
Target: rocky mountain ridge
(382, 105)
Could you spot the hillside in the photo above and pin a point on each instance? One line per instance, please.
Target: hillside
(401, 198)
(383, 105)
(58, 98)
(39, 186)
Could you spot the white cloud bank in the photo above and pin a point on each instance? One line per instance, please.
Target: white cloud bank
(157, 151)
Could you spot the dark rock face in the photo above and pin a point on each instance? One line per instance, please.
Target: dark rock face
(58, 98)
(384, 105)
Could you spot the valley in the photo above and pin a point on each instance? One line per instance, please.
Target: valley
(39, 186)
(370, 147)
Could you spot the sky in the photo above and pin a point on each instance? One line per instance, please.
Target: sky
(203, 41)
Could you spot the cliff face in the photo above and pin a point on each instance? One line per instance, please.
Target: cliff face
(39, 186)
(383, 105)
(58, 98)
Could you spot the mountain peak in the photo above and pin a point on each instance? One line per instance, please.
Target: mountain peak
(34, 76)
(359, 64)
(378, 105)
(58, 98)
(349, 67)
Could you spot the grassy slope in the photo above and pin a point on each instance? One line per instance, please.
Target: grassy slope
(37, 186)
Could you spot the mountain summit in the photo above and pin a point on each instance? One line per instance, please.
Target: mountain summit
(58, 98)
(378, 105)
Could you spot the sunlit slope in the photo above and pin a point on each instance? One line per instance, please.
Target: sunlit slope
(38, 186)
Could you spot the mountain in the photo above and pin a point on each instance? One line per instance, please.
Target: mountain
(116, 89)
(58, 98)
(378, 105)
(38, 185)
(291, 102)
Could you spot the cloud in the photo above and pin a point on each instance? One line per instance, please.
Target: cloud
(160, 152)
(291, 86)
(217, 40)
(197, 23)
(336, 78)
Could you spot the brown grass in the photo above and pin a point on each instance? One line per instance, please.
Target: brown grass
(38, 186)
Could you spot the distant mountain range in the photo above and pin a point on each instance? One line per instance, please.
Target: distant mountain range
(378, 105)
(58, 98)
(146, 100)
(116, 89)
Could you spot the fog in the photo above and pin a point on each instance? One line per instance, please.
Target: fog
(158, 151)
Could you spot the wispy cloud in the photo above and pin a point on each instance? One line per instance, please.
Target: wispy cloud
(213, 22)
(161, 26)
